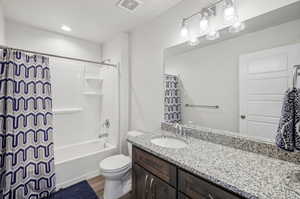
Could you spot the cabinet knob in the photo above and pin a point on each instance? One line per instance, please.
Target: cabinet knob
(243, 117)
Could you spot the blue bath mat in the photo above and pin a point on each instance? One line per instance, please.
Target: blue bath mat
(81, 190)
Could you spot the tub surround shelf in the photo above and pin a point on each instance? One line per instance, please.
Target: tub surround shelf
(67, 110)
(93, 78)
(93, 85)
(246, 174)
(92, 93)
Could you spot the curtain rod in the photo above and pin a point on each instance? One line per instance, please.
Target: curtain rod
(59, 56)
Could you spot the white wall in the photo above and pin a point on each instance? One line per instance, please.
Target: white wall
(148, 43)
(67, 80)
(117, 50)
(211, 81)
(2, 36)
(22, 36)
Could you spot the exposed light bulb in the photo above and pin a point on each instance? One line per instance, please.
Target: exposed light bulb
(212, 32)
(237, 27)
(213, 35)
(204, 24)
(230, 14)
(66, 28)
(184, 31)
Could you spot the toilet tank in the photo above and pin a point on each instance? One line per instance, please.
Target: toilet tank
(132, 134)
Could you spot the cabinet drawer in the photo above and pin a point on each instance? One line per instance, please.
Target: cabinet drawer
(197, 188)
(155, 165)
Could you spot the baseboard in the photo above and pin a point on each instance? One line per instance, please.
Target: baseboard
(78, 179)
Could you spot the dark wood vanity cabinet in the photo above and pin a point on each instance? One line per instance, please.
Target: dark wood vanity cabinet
(139, 181)
(154, 178)
(148, 186)
(182, 196)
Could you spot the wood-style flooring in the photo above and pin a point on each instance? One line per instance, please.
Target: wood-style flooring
(97, 184)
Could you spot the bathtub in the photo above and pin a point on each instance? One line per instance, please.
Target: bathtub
(77, 162)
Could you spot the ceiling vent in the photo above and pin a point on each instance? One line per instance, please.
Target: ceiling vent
(129, 5)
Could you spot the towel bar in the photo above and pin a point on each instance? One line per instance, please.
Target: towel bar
(202, 106)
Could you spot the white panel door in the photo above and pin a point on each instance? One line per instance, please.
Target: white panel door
(264, 78)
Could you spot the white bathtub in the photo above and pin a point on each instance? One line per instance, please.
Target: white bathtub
(77, 162)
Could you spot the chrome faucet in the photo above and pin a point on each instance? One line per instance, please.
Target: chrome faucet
(105, 126)
(179, 129)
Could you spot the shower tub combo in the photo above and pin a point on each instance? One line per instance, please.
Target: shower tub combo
(78, 162)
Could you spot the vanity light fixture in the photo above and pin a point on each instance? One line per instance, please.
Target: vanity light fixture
(230, 16)
(184, 30)
(212, 33)
(236, 24)
(204, 23)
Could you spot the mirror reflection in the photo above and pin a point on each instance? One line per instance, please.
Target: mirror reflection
(236, 84)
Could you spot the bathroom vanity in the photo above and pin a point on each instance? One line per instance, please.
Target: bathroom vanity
(209, 170)
(156, 178)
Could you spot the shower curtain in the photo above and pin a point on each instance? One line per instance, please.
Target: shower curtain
(172, 99)
(26, 133)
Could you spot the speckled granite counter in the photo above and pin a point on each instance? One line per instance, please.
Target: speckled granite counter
(248, 174)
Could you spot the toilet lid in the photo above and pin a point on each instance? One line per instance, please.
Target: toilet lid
(115, 163)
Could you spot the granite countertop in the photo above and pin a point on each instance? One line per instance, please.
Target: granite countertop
(248, 174)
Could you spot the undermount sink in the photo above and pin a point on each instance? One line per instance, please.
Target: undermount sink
(169, 142)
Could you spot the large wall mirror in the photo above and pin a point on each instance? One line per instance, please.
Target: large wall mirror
(236, 83)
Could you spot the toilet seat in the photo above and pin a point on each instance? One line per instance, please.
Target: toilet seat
(115, 163)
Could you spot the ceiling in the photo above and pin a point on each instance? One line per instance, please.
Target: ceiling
(93, 20)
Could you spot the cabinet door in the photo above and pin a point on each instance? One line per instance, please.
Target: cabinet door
(182, 196)
(140, 182)
(159, 189)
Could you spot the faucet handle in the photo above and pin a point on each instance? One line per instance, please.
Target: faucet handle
(176, 126)
(102, 135)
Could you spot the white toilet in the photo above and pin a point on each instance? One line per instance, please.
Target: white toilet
(117, 172)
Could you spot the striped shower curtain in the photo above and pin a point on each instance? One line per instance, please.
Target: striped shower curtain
(26, 133)
(172, 99)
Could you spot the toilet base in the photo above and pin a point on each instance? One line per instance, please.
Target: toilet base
(114, 189)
